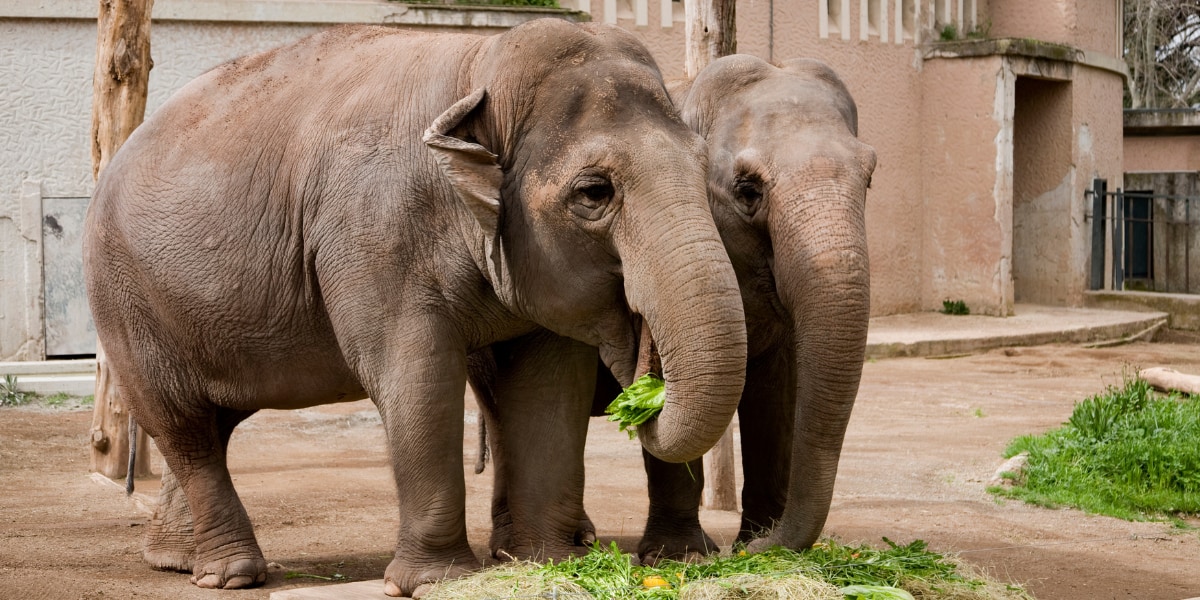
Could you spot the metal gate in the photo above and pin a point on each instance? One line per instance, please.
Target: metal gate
(1150, 239)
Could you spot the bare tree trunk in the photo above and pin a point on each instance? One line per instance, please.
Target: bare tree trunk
(118, 105)
(711, 32)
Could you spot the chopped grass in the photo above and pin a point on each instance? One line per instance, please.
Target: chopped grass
(818, 574)
(1128, 453)
(638, 403)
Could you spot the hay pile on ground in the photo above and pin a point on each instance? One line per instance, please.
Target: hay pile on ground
(821, 573)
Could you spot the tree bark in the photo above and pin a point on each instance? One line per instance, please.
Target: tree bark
(118, 105)
(711, 32)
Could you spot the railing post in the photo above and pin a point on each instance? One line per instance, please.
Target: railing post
(1118, 241)
(1099, 214)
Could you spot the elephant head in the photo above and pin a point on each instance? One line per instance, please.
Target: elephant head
(788, 181)
(589, 193)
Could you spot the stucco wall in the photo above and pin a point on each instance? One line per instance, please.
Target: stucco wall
(967, 125)
(1162, 153)
(1098, 153)
(1085, 24)
(1043, 180)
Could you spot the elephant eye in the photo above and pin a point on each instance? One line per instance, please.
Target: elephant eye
(592, 195)
(748, 191)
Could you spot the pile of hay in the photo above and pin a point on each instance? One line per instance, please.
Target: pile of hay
(830, 571)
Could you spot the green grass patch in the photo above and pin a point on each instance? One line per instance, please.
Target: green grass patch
(10, 395)
(829, 570)
(955, 307)
(1128, 453)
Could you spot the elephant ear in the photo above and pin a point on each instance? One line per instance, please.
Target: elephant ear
(471, 169)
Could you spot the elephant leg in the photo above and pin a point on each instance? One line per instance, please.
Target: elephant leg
(543, 390)
(673, 526)
(226, 553)
(418, 386)
(765, 421)
(170, 543)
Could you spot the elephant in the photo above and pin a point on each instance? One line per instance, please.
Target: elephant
(788, 179)
(353, 214)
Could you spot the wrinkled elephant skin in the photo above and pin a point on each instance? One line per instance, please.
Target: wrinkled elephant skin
(787, 183)
(353, 214)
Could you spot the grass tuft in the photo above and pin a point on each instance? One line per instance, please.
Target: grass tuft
(10, 395)
(816, 574)
(1128, 453)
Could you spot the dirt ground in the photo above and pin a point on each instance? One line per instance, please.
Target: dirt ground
(925, 437)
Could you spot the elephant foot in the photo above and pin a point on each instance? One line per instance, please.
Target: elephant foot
(232, 573)
(682, 540)
(585, 532)
(407, 579)
(170, 543)
(783, 540)
(750, 531)
(537, 551)
(163, 558)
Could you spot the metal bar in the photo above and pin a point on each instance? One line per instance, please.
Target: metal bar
(1118, 239)
(1099, 197)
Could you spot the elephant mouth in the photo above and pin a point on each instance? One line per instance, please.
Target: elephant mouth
(648, 360)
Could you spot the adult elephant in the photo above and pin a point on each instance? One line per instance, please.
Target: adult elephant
(787, 180)
(351, 215)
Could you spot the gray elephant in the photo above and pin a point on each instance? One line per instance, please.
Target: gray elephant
(351, 215)
(787, 182)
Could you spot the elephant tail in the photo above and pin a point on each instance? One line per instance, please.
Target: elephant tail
(481, 374)
(133, 436)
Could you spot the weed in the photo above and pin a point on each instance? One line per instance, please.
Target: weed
(979, 413)
(1127, 453)
(57, 399)
(955, 307)
(949, 32)
(10, 395)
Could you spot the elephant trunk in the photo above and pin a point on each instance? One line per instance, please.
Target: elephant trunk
(823, 278)
(679, 278)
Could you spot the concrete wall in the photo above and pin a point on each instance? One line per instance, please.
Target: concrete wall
(966, 184)
(1164, 153)
(47, 55)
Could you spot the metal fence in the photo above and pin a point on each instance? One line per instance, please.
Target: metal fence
(1148, 238)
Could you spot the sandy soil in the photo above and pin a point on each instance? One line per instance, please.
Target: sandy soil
(925, 437)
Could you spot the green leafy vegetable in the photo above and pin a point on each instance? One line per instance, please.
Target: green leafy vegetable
(874, 592)
(639, 403)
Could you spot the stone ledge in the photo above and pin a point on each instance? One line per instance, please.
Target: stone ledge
(1025, 48)
(303, 11)
(1183, 310)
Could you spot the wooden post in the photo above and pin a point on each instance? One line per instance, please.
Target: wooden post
(711, 33)
(118, 105)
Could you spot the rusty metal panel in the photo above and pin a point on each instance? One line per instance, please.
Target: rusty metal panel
(69, 327)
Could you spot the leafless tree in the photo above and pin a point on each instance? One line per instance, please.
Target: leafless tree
(1162, 48)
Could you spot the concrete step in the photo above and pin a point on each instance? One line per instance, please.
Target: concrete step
(48, 385)
(935, 334)
(85, 366)
(359, 590)
(49, 377)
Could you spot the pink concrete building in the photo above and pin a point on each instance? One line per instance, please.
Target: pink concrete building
(990, 119)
